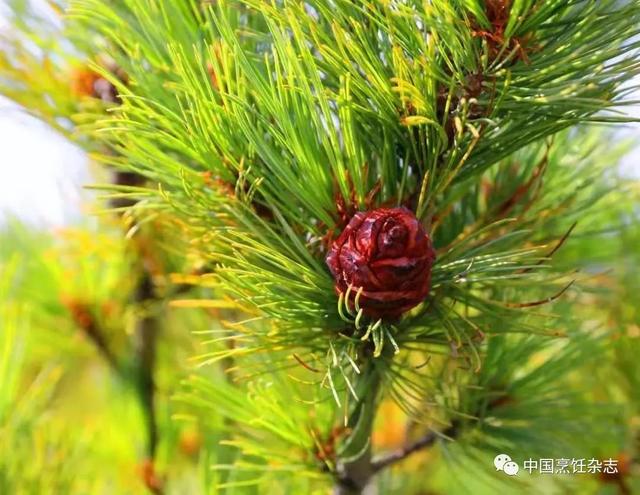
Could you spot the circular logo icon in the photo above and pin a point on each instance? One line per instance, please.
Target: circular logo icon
(500, 461)
(511, 468)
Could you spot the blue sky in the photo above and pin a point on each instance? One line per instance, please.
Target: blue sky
(40, 172)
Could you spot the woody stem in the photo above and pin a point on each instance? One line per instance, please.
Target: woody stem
(402, 453)
(354, 467)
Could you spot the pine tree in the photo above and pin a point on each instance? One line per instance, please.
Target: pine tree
(378, 224)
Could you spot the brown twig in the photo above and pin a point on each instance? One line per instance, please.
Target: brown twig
(541, 301)
(146, 333)
(422, 443)
(305, 365)
(86, 321)
(354, 476)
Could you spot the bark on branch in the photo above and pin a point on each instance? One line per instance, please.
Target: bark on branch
(354, 477)
(422, 443)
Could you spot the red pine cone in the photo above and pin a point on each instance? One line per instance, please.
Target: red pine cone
(387, 253)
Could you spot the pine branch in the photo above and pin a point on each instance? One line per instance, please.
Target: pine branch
(100, 342)
(146, 334)
(86, 321)
(402, 453)
(146, 337)
(354, 466)
(302, 107)
(356, 476)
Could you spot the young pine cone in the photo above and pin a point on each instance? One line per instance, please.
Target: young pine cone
(387, 256)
